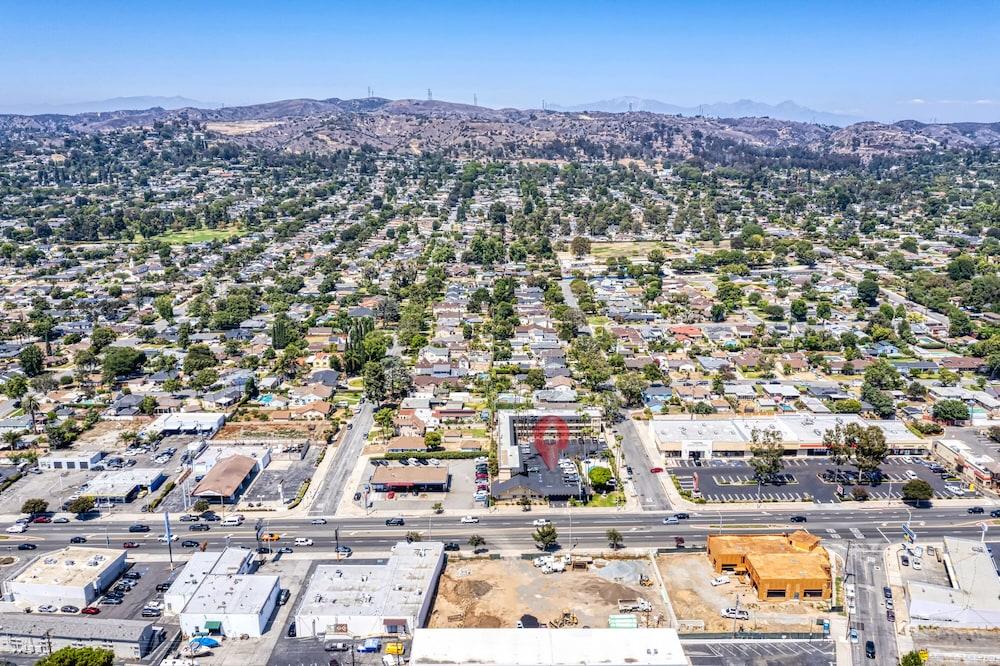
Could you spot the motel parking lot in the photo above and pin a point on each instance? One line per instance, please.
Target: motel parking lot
(803, 479)
(462, 486)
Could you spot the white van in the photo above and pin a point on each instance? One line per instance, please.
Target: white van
(17, 529)
(232, 521)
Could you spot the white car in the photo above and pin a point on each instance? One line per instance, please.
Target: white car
(164, 539)
(469, 519)
(854, 636)
(435, 462)
(541, 522)
(720, 580)
(47, 608)
(303, 541)
(852, 608)
(16, 529)
(318, 521)
(735, 613)
(916, 564)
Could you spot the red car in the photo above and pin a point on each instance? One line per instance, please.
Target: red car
(130, 544)
(42, 519)
(90, 610)
(655, 470)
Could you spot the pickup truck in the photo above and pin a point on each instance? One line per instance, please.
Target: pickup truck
(735, 613)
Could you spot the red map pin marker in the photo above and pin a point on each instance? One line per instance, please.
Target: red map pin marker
(551, 436)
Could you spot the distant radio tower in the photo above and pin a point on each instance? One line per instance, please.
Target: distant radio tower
(630, 107)
(369, 91)
(543, 105)
(475, 99)
(701, 109)
(429, 95)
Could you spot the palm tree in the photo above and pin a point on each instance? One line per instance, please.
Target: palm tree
(29, 403)
(614, 538)
(12, 438)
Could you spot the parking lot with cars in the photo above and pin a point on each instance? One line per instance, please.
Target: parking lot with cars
(468, 487)
(815, 479)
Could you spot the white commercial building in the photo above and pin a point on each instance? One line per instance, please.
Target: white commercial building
(691, 437)
(547, 647)
(186, 423)
(973, 599)
(361, 600)
(227, 562)
(215, 593)
(231, 606)
(71, 576)
(70, 460)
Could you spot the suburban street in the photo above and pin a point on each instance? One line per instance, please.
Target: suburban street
(647, 485)
(865, 570)
(333, 485)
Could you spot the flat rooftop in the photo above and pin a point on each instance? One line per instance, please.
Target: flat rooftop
(119, 483)
(231, 594)
(547, 647)
(794, 428)
(69, 567)
(396, 588)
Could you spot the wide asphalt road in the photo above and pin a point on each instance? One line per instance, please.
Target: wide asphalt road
(513, 531)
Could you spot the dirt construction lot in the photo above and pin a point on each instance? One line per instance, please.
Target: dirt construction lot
(250, 430)
(687, 577)
(496, 593)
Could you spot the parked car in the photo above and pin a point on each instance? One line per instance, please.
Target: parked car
(357, 497)
(887, 592)
(284, 596)
(291, 631)
(41, 520)
(60, 519)
(47, 608)
(151, 612)
(890, 615)
(854, 636)
(90, 610)
(904, 560)
(69, 609)
(720, 580)
(111, 601)
(162, 587)
(131, 575)
(735, 613)
(452, 546)
(337, 647)
(188, 518)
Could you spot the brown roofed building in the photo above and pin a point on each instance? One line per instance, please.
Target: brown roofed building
(433, 479)
(779, 566)
(227, 480)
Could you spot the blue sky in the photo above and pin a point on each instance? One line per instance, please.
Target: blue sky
(885, 60)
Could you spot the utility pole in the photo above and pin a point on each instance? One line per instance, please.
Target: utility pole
(475, 99)
(430, 96)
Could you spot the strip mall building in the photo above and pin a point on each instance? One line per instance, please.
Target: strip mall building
(694, 438)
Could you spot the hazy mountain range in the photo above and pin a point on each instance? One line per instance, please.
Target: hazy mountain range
(743, 108)
(108, 105)
(416, 126)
